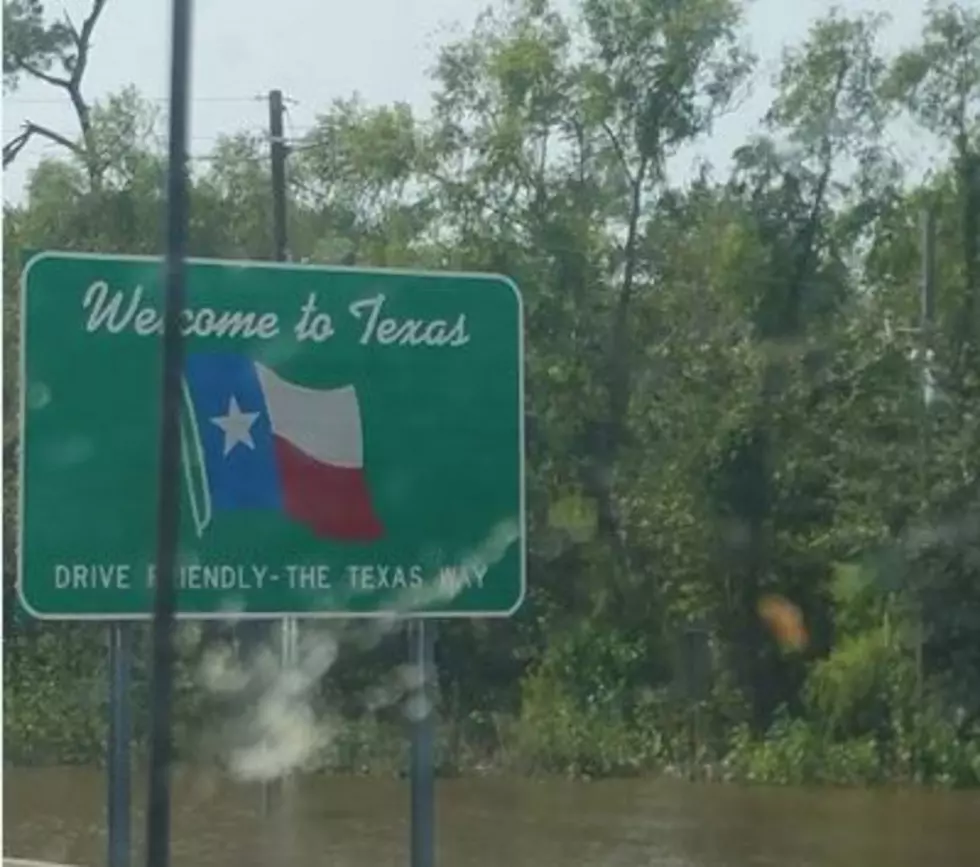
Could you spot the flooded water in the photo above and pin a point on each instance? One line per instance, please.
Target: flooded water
(58, 814)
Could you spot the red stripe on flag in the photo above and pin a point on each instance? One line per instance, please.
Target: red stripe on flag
(333, 501)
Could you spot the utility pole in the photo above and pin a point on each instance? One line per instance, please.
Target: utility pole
(928, 300)
(927, 315)
(278, 153)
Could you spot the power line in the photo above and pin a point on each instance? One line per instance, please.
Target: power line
(296, 133)
(198, 138)
(51, 147)
(287, 114)
(14, 100)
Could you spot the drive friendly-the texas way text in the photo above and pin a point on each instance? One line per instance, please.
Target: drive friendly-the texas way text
(117, 311)
(75, 577)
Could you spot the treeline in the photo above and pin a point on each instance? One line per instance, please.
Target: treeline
(752, 466)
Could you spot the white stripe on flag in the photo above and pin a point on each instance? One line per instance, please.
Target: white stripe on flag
(325, 424)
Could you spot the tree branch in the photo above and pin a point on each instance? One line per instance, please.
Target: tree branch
(56, 137)
(72, 29)
(41, 75)
(619, 152)
(84, 41)
(12, 148)
(807, 238)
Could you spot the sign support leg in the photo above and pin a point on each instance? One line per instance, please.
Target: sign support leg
(272, 790)
(120, 728)
(421, 637)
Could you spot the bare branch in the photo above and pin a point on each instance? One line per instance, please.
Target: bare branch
(12, 148)
(72, 29)
(56, 137)
(85, 41)
(41, 75)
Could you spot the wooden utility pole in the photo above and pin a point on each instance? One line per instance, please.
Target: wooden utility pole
(278, 153)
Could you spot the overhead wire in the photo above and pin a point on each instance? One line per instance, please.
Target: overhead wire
(16, 100)
(50, 147)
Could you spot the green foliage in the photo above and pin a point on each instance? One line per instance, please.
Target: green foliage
(861, 684)
(794, 753)
(55, 694)
(579, 709)
(939, 80)
(724, 381)
(555, 736)
(29, 39)
(937, 751)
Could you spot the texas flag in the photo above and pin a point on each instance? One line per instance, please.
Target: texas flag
(261, 442)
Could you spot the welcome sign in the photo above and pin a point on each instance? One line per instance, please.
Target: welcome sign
(352, 440)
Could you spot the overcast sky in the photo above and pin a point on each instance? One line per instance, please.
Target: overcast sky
(318, 50)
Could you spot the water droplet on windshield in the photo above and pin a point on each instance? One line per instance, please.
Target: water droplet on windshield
(38, 395)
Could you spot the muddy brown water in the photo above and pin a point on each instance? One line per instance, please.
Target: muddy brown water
(59, 815)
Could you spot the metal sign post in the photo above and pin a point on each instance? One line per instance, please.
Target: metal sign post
(288, 635)
(421, 644)
(272, 789)
(120, 728)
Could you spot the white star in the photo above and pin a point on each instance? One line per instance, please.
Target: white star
(237, 426)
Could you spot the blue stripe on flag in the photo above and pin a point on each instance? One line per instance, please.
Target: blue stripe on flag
(245, 478)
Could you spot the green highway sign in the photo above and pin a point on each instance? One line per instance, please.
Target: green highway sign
(352, 440)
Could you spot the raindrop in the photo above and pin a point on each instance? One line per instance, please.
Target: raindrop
(38, 395)
(417, 708)
(74, 450)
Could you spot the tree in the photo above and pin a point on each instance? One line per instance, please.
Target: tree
(722, 401)
(766, 494)
(32, 47)
(938, 83)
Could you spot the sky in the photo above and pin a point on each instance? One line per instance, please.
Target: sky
(316, 51)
